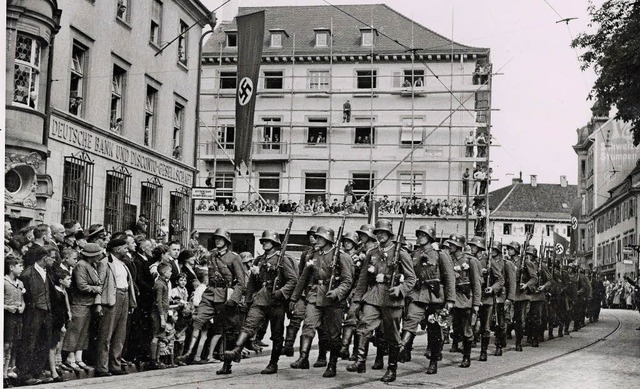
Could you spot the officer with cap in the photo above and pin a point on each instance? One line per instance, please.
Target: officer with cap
(468, 293)
(492, 269)
(296, 314)
(326, 290)
(270, 285)
(350, 242)
(433, 291)
(382, 297)
(526, 278)
(510, 285)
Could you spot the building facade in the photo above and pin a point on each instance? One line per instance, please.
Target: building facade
(120, 133)
(340, 101)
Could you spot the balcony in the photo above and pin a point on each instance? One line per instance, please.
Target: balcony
(261, 151)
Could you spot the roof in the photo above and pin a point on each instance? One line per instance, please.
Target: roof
(300, 22)
(523, 201)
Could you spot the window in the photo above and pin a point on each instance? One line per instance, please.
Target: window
(415, 78)
(273, 80)
(178, 123)
(362, 183)
(117, 94)
(319, 79)
(117, 195)
(411, 185)
(367, 37)
(506, 228)
(226, 136)
(76, 85)
(317, 134)
(269, 186)
(271, 133)
(365, 132)
(156, 22)
(315, 186)
(151, 204)
(77, 189)
(411, 132)
(149, 116)
(183, 43)
(228, 80)
(232, 39)
(367, 79)
(224, 187)
(322, 38)
(276, 39)
(179, 214)
(123, 11)
(528, 228)
(549, 228)
(27, 71)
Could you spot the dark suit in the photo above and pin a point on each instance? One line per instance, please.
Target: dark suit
(140, 335)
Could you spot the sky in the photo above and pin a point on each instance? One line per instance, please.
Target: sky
(540, 93)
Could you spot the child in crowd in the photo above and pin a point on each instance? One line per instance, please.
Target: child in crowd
(69, 259)
(61, 314)
(13, 309)
(180, 297)
(168, 341)
(159, 312)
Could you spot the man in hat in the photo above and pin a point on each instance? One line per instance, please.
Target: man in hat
(386, 279)
(526, 278)
(468, 293)
(538, 298)
(270, 285)
(97, 234)
(510, 284)
(492, 269)
(433, 292)
(327, 288)
(114, 304)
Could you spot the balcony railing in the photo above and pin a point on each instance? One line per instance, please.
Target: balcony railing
(260, 150)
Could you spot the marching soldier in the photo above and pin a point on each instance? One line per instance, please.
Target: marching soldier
(296, 315)
(327, 288)
(350, 244)
(510, 284)
(381, 290)
(583, 293)
(598, 292)
(493, 286)
(537, 297)
(270, 285)
(434, 290)
(556, 303)
(526, 280)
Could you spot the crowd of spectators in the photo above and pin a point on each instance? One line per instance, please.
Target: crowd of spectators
(621, 294)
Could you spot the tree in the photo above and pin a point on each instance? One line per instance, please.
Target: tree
(614, 53)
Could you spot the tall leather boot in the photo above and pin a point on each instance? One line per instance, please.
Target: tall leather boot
(484, 345)
(518, 339)
(551, 332)
(534, 338)
(404, 354)
(356, 339)
(378, 363)
(454, 347)
(436, 355)
(322, 353)
(560, 332)
(226, 368)
(236, 353)
(347, 334)
(289, 341)
(466, 353)
(360, 365)
(272, 367)
(390, 375)
(303, 360)
(333, 363)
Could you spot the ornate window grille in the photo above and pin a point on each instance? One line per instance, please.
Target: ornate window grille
(77, 189)
(117, 197)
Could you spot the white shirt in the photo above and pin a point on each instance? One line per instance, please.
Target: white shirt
(121, 274)
(41, 271)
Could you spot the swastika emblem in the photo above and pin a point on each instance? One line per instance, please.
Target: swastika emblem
(559, 248)
(245, 91)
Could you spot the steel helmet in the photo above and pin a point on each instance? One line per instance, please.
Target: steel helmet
(532, 250)
(367, 229)
(246, 256)
(478, 242)
(496, 246)
(352, 236)
(514, 245)
(272, 236)
(457, 240)
(430, 231)
(326, 233)
(223, 233)
(384, 225)
(312, 230)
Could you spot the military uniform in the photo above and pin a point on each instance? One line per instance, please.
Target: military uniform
(379, 306)
(493, 297)
(435, 285)
(582, 296)
(538, 297)
(526, 277)
(322, 309)
(511, 286)
(598, 292)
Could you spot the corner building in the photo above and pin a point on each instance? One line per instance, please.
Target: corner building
(425, 93)
(121, 130)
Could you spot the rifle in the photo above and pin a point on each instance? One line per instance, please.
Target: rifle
(336, 252)
(283, 250)
(398, 248)
(486, 279)
(522, 255)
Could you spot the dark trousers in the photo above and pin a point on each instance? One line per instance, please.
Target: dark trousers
(520, 315)
(486, 313)
(36, 339)
(536, 314)
(112, 333)
(578, 311)
(462, 323)
(140, 334)
(329, 318)
(258, 315)
(501, 327)
(416, 313)
(372, 316)
(296, 316)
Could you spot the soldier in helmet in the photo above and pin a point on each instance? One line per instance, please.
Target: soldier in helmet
(350, 242)
(492, 269)
(468, 293)
(582, 295)
(381, 290)
(296, 314)
(434, 290)
(326, 290)
(223, 293)
(270, 285)
(538, 297)
(510, 284)
(526, 278)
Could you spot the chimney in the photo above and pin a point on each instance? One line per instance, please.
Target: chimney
(534, 180)
(519, 180)
(563, 181)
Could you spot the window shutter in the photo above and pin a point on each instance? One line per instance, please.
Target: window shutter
(397, 79)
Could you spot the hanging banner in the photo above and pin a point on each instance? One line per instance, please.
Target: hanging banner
(250, 42)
